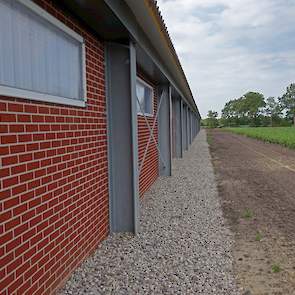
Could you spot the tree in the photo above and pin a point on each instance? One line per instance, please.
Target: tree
(233, 113)
(288, 101)
(253, 102)
(273, 109)
(212, 121)
(244, 110)
(228, 113)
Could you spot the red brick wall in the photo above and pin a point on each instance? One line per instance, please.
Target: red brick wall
(54, 181)
(150, 169)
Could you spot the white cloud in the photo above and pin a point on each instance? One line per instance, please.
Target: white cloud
(229, 47)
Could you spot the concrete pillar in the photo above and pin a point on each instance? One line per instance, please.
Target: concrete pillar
(122, 137)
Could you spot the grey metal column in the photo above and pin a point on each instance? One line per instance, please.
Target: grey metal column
(192, 122)
(190, 126)
(164, 130)
(187, 127)
(184, 127)
(178, 125)
(195, 124)
(173, 126)
(122, 137)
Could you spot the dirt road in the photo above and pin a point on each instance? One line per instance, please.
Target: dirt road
(256, 183)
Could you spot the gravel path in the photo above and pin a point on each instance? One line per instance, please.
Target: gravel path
(184, 245)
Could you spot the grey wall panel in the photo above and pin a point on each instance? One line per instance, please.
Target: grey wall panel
(122, 144)
(164, 130)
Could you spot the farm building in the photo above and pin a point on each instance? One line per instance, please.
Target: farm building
(94, 105)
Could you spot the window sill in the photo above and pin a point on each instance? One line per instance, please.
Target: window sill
(145, 114)
(37, 96)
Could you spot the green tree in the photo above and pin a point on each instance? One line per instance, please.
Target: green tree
(243, 110)
(228, 114)
(232, 112)
(212, 120)
(273, 110)
(288, 101)
(253, 103)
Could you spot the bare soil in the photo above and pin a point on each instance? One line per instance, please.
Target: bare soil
(256, 183)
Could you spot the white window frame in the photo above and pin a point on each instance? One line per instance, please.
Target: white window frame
(153, 95)
(39, 96)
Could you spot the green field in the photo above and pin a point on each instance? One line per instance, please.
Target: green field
(281, 135)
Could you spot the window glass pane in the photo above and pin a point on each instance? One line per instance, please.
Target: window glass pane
(36, 55)
(140, 95)
(145, 97)
(148, 101)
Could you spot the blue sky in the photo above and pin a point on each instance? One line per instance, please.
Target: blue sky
(229, 47)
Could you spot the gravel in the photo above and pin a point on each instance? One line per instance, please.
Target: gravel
(183, 246)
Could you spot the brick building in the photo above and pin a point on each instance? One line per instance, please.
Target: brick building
(93, 106)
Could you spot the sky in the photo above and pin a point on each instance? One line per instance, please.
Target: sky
(230, 47)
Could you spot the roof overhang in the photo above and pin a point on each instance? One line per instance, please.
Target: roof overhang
(117, 20)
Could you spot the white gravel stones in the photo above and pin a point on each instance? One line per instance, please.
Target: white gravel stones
(183, 247)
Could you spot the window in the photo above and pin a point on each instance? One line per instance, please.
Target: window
(145, 96)
(40, 58)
